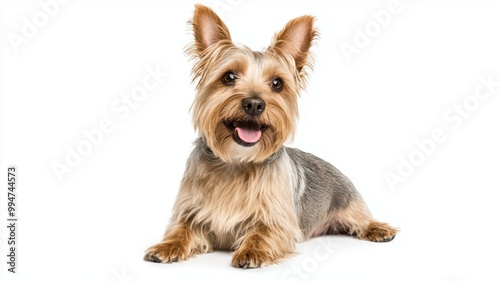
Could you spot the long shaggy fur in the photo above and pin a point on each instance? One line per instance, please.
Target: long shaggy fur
(255, 199)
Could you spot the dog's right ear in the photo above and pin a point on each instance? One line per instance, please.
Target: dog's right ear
(296, 39)
(208, 28)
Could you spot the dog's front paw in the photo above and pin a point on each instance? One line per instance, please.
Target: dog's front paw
(247, 258)
(167, 252)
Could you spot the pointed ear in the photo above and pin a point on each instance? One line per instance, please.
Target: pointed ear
(296, 39)
(208, 28)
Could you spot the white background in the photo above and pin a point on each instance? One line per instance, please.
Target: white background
(363, 116)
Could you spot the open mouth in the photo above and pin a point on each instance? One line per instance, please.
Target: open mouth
(245, 133)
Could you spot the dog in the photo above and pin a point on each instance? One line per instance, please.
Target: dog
(243, 190)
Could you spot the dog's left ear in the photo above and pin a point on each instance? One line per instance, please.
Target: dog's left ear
(208, 28)
(296, 39)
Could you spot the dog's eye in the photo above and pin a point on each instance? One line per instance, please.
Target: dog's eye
(277, 84)
(229, 78)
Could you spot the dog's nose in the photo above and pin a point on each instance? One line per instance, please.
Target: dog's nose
(253, 106)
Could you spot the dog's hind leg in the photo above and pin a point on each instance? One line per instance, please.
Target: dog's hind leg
(355, 219)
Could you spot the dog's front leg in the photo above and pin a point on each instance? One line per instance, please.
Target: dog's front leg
(262, 246)
(180, 242)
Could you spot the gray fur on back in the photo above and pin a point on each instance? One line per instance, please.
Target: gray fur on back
(316, 181)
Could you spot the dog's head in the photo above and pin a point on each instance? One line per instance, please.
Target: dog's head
(246, 102)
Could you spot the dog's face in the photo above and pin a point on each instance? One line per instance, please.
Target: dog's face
(246, 103)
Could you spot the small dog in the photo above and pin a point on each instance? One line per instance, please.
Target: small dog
(242, 190)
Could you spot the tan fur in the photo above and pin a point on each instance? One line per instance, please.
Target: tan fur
(263, 246)
(249, 209)
(286, 59)
(296, 39)
(246, 197)
(208, 28)
(246, 207)
(352, 220)
(256, 72)
(356, 220)
(234, 202)
(180, 242)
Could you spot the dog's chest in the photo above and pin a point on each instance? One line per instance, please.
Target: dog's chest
(233, 197)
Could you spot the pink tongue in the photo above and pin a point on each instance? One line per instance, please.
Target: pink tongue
(248, 135)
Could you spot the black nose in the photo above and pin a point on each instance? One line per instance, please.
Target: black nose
(253, 106)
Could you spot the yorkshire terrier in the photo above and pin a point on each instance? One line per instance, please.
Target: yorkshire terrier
(243, 190)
